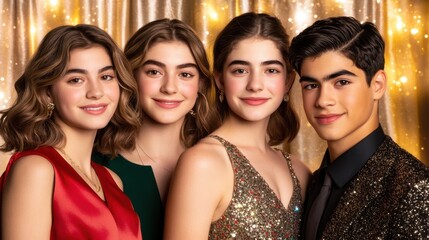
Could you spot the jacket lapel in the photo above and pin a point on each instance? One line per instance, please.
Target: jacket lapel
(365, 187)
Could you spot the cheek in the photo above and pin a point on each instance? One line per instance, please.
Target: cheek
(356, 96)
(277, 86)
(68, 97)
(147, 87)
(113, 92)
(189, 89)
(232, 86)
(308, 98)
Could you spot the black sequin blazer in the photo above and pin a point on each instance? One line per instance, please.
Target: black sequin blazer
(388, 199)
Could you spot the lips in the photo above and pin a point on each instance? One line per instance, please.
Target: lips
(95, 109)
(328, 118)
(254, 101)
(168, 104)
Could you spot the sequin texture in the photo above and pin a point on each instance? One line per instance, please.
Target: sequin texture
(388, 199)
(255, 212)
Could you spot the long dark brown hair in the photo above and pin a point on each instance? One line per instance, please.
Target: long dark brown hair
(284, 123)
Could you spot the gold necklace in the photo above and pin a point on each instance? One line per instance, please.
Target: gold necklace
(141, 160)
(77, 167)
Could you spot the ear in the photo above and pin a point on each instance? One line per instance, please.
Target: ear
(218, 79)
(48, 94)
(290, 79)
(379, 84)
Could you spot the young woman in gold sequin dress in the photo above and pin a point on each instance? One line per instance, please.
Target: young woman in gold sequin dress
(233, 184)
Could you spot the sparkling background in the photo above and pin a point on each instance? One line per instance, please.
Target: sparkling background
(404, 111)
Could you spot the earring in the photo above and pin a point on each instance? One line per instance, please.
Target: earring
(286, 97)
(51, 107)
(192, 112)
(221, 96)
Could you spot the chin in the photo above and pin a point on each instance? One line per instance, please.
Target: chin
(328, 136)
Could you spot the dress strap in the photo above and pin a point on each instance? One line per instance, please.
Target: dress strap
(221, 140)
(296, 198)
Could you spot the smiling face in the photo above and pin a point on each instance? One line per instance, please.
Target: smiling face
(337, 100)
(253, 79)
(168, 82)
(87, 95)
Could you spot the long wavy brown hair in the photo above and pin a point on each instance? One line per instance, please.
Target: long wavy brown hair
(26, 125)
(167, 30)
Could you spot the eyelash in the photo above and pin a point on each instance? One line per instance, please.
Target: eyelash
(187, 75)
(75, 80)
(310, 86)
(239, 71)
(342, 82)
(242, 71)
(315, 85)
(273, 71)
(153, 72)
(109, 76)
(105, 77)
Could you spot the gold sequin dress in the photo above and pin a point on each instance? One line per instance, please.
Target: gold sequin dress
(255, 212)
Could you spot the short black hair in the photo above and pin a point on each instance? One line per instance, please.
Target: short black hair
(360, 42)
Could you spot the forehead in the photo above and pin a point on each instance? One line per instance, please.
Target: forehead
(255, 50)
(169, 50)
(328, 63)
(89, 57)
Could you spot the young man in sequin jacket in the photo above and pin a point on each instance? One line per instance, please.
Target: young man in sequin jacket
(379, 190)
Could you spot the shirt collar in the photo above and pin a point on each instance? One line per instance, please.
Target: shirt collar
(348, 164)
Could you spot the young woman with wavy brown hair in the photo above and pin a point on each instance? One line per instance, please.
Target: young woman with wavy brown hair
(76, 92)
(171, 69)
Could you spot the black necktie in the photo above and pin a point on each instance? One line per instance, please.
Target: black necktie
(317, 209)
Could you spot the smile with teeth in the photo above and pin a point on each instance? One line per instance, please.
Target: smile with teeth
(95, 109)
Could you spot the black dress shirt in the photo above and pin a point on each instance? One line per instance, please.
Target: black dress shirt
(341, 171)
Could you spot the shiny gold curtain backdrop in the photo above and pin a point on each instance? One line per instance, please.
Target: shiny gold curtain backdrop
(404, 24)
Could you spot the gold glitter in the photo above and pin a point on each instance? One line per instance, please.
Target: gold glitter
(389, 199)
(255, 212)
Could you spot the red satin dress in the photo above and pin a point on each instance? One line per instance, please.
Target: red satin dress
(77, 211)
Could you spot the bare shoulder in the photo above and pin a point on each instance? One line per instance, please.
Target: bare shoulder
(116, 178)
(29, 185)
(32, 167)
(197, 190)
(208, 155)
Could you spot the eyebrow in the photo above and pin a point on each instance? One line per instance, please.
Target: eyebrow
(160, 64)
(328, 77)
(84, 71)
(264, 63)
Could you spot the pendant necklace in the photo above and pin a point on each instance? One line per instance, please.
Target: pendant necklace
(77, 167)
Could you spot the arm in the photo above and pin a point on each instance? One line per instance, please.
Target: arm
(196, 191)
(412, 214)
(27, 200)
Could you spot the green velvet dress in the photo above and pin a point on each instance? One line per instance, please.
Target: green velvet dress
(140, 186)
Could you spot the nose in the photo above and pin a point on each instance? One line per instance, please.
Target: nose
(94, 89)
(325, 98)
(169, 84)
(255, 82)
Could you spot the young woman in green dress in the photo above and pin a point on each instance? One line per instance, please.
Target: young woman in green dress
(172, 71)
